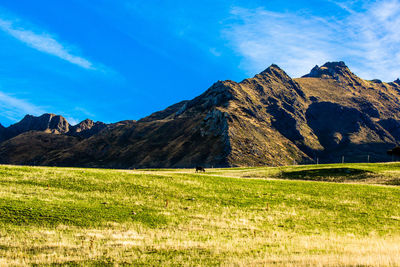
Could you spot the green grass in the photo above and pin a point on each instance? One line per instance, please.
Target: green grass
(231, 216)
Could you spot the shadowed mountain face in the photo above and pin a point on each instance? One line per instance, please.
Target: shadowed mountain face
(46, 122)
(86, 128)
(270, 119)
(2, 133)
(31, 148)
(51, 123)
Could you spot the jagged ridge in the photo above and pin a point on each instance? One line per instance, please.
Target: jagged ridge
(270, 119)
(51, 123)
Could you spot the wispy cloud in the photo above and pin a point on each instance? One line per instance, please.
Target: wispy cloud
(72, 120)
(375, 40)
(265, 37)
(43, 42)
(84, 111)
(13, 108)
(367, 39)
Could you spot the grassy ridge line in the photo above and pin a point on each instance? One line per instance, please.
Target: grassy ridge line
(377, 173)
(207, 220)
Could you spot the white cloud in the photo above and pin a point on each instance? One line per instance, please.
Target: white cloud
(84, 111)
(215, 52)
(72, 121)
(43, 42)
(375, 40)
(265, 37)
(13, 108)
(368, 40)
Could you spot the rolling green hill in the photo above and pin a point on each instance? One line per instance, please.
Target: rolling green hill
(237, 216)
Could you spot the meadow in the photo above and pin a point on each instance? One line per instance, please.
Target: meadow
(319, 215)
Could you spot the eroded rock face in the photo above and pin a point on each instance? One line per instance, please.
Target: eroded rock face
(46, 122)
(329, 70)
(87, 128)
(215, 123)
(51, 123)
(337, 71)
(174, 110)
(218, 95)
(83, 126)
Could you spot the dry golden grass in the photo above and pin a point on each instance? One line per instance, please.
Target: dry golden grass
(114, 217)
(130, 244)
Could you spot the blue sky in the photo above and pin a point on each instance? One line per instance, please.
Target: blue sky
(113, 60)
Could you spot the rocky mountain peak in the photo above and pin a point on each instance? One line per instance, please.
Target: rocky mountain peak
(329, 70)
(51, 123)
(269, 119)
(58, 123)
(46, 122)
(218, 94)
(271, 68)
(86, 128)
(274, 72)
(85, 124)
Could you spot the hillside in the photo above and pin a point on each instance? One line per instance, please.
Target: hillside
(31, 147)
(75, 217)
(2, 133)
(51, 123)
(270, 119)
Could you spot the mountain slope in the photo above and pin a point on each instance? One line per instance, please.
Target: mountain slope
(270, 119)
(2, 133)
(351, 116)
(46, 122)
(30, 148)
(51, 123)
(227, 125)
(173, 139)
(86, 128)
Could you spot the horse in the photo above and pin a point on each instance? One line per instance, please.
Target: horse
(200, 169)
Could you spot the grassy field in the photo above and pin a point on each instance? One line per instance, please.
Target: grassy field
(238, 216)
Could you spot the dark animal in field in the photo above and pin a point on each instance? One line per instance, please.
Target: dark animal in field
(200, 169)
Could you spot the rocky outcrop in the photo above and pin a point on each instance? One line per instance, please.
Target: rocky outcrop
(330, 70)
(192, 133)
(87, 128)
(54, 124)
(176, 109)
(47, 122)
(337, 71)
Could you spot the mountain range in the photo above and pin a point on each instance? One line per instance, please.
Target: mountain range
(328, 115)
